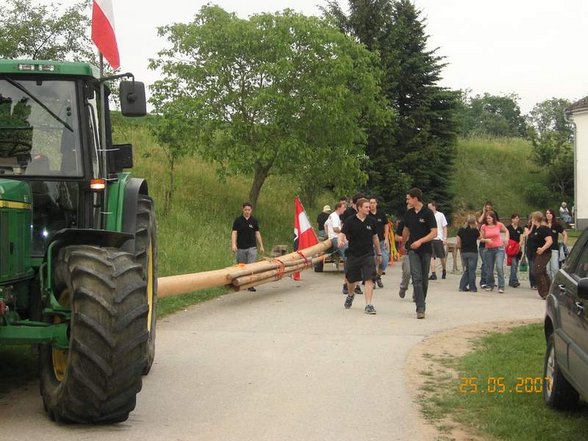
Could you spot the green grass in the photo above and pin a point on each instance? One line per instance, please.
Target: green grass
(498, 170)
(510, 416)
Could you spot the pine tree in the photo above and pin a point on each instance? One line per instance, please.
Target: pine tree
(417, 148)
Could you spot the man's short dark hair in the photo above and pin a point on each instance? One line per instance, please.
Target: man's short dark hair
(515, 215)
(416, 193)
(433, 203)
(356, 197)
(247, 204)
(340, 204)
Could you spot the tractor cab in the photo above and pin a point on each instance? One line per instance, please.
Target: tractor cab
(50, 136)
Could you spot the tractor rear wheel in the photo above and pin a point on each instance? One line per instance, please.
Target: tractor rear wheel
(146, 255)
(96, 379)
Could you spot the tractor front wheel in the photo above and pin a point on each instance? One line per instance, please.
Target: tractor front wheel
(96, 378)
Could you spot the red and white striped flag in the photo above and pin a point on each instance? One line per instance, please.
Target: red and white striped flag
(103, 31)
(304, 235)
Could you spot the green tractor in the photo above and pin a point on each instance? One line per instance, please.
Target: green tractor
(78, 252)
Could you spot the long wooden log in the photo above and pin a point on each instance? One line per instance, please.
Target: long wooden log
(186, 283)
(272, 275)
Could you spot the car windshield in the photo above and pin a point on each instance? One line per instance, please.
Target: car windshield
(39, 130)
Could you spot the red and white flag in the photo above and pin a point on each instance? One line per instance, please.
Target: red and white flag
(304, 235)
(103, 31)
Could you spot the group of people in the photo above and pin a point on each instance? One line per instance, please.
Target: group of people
(362, 231)
(359, 232)
(487, 237)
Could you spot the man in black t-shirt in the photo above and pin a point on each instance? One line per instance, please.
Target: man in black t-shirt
(352, 210)
(321, 219)
(420, 228)
(382, 230)
(245, 236)
(359, 231)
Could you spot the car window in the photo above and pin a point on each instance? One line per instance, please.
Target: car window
(582, 265)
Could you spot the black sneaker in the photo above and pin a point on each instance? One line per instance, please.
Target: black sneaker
(369, 309)
(516, 285)
(252, 289)
(357, 290)
(401, 293)
(348, 302)
(444, 274)
(379, 282)
(345, 289)
(433, 277)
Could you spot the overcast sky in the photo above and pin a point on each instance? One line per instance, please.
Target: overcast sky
(534, 48)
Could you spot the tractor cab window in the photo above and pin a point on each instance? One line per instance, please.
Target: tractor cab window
(39, 133)
(40, 142)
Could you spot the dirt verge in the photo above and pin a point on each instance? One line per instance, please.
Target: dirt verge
(425, 369)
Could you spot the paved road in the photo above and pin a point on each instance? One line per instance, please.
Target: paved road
(285, 363)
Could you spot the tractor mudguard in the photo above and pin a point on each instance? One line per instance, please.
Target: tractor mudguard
(133, 188)
(75, 236)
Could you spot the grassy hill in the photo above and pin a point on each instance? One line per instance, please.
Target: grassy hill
(499, 170)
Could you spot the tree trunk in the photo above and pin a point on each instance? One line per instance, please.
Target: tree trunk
(170, 190)
(261, 173)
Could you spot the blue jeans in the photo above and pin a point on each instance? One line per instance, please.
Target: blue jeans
(495, 257)
(514, 272)
(483, 267)
(468, 278)
(385, 255)
(532, 278)
(419, 271)
(553, 266)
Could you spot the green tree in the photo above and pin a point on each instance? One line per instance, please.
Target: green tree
(550, 116)
(416, 147)
(552, 137)
(172, 131)
(492, 115)
(45, 32)
(275, 93)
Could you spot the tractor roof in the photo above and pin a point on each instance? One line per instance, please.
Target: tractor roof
(44, 67)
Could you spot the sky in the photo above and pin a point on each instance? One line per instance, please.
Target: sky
(536, 49)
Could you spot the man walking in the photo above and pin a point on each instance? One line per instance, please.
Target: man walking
(438, 244)
(382, 229)
(244, 236)
(420, 228)
(359, 232)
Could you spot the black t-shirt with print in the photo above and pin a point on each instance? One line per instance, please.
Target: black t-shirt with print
(360, 235)
(515, 233)
(381, 221)
(537, 238)
(468, 237)
(420, 224)
(349, 211)
(555, 230)
(245, 229)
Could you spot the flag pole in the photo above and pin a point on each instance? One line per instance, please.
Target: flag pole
(102, 148)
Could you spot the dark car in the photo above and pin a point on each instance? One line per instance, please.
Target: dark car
(566, 331)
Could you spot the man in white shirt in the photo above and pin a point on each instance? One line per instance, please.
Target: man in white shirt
(439, 243)
(333, 227)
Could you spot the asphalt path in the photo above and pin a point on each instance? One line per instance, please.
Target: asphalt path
(285, 363)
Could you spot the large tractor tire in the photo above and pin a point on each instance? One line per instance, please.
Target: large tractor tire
(146, 255)
(96, 379)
